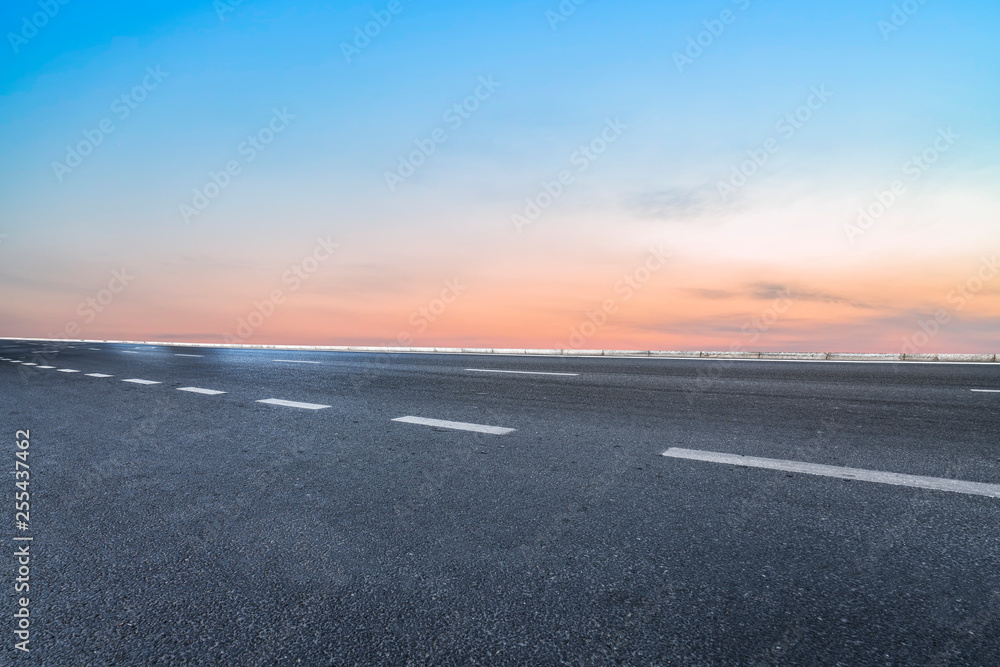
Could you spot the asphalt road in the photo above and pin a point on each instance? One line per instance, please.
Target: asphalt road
(174, 527)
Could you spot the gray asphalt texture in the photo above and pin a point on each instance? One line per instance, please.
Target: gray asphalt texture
(175, 528)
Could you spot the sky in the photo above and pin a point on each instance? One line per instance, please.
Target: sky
(723, 175)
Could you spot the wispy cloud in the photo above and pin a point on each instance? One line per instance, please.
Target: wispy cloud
(767, 291)
(676, 204)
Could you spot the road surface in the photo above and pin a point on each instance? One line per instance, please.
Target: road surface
(220, 506)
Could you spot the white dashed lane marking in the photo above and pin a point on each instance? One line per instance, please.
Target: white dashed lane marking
(199, 390)
(138, 381)
(487, 370)
(46, 366)
(189, 355)
(294, 361)
(987, 391)
(129, 352)
(67, 370)
(293, 404)
(99, 375)
(860, 474)
(28, 363)
(458, 426)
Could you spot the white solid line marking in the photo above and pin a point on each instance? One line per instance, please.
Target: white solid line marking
(99, 375)
(987, 391)
(293, 404)
(189, 355)
(489, 370)
(460, 426)
(67, 370)
(898, 479)
(293, 361)
(199, 390)
(137, 381)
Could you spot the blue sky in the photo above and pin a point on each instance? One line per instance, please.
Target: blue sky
(558, 85)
